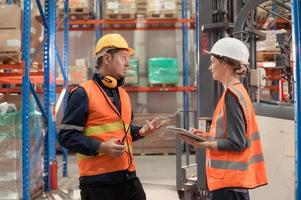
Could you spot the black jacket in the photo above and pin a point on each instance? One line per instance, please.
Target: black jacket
(71, 132)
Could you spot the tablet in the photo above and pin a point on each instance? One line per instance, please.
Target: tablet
(187, 133)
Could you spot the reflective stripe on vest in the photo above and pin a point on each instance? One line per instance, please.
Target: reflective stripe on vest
(243, 169)
(241, 166)
(105, 128)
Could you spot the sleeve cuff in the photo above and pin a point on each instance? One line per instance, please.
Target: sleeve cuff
(222, 144)
(95, 147)
(135, 132)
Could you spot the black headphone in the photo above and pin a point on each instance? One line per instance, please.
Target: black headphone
(111, 82)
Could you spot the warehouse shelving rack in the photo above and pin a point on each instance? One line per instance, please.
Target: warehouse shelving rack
(296, 15)
(50, 106)
(48, 77)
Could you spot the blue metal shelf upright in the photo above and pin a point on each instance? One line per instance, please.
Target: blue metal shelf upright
(50, 105)
(186, 70)
(296, 15)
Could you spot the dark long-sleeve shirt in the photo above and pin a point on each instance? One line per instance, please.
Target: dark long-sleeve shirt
(71, 131)
(235, 126)
(236, 129)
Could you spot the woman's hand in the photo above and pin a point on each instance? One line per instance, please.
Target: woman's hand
(207, 144)
(199, 132)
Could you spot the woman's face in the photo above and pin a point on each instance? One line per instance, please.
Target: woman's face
(218, 69)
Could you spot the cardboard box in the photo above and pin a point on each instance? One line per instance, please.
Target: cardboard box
(270, 43)
(10, 40)
(10, 165)
(36, 35)
(10, 17)
(78, 74)
(161, 142)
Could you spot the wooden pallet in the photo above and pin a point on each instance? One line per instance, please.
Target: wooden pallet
(77, 13)
(83, 10)
(78, 16)
(165, 15)
(162, 84)
(81, 26)
(10, 57)
(120, 16)
(262, 56)
(120, 26)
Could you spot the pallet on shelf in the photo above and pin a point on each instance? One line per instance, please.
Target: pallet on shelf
(119, 9)
(77, 13)
(160, 143)
(120, 16)
(162, 15)
(262, 56)
(10, 57)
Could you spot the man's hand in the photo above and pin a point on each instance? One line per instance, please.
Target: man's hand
(152, 126)
(112, 148)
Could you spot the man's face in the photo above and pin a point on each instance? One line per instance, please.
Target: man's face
(118, 64)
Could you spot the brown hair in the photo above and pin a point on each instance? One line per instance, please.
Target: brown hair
(240, 69)
(112, 52)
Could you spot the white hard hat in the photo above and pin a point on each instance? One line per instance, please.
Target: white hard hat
(231, 48)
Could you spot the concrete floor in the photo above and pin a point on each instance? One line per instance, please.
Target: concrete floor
(157, 174)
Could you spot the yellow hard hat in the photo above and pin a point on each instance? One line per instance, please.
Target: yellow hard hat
(112, 40)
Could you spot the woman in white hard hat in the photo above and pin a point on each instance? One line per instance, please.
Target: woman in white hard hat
(234, 158)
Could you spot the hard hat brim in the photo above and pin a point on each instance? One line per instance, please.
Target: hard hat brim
(131, 51)
(207, 52)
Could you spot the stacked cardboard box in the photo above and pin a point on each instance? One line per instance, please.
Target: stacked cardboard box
(79, 72)
(78, 9)
(36, 38)
(36, 30)
(10, 33)
(192, 8)
(158, 8)
(161, 142)
(268, 48)
(119, 9)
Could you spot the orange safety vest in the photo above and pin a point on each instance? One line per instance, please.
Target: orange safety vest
(104, 123)
(243, 169)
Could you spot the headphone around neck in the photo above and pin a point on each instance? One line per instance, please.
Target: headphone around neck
(111, 82)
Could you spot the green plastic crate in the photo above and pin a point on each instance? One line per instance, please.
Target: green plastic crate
(163, 71)
(131, 76)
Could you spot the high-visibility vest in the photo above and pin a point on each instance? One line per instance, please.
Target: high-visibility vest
(239, 169)
(104, 123)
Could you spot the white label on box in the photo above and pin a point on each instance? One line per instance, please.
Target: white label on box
(33, 30)
(9, 176)
(112, 5)
(8, 195)
(13, 43)
(32, 50)
(169, 5)
(11, 154)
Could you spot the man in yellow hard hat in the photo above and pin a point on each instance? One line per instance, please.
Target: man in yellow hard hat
(97, 124)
